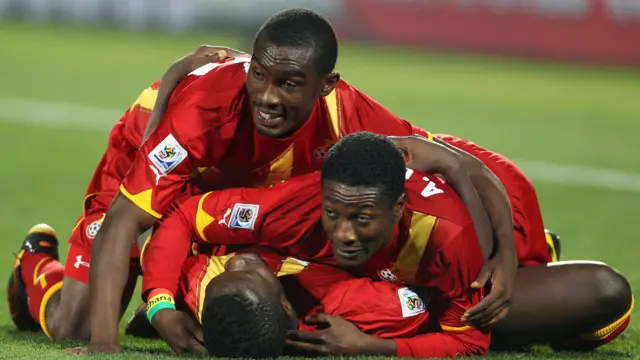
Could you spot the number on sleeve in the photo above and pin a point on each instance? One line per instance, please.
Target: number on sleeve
(430, 189)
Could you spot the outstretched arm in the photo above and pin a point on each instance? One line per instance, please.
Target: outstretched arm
(110, 255)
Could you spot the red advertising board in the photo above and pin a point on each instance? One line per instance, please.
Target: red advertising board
(598, 31)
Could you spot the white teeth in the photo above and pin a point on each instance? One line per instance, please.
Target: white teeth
(268, 116)
(348, 254)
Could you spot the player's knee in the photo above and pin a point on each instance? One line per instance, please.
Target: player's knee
(613, 290)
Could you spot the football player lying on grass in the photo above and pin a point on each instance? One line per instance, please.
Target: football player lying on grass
(368, 214)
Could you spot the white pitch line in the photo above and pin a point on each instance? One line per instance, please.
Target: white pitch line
(74, 116)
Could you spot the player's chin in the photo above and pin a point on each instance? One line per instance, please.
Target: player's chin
(350, 260)
(279, 129)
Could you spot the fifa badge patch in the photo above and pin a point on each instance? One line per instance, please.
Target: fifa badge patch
(167, 155)
(244, 216)
(411, 303)
(92, 229)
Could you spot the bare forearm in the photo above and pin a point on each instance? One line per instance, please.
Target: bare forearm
(496, 202)
(109, 270)
(493, 196)
(168, 83)
(465, 188)
(376, 346)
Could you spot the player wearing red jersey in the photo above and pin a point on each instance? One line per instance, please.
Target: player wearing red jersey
(431, 242)
(242, 272)
(285, 216)
(245, 312)
(245, 123)
(62, 311)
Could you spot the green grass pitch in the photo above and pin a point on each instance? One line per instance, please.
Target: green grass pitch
(545, 113)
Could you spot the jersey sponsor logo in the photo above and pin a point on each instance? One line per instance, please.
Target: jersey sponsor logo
(79, 262)
(244, 216)
(225, 217)
(388, 275)
(410, 302)
(167, 155)
(92, 229)
(157, 173)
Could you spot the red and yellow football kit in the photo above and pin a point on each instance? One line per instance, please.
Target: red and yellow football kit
(378, 308)
(312, 280)
(124, 140)
(207, 140)
(433, 246)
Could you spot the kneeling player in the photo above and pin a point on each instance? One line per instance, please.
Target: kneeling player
(384, 241)
(37, 297)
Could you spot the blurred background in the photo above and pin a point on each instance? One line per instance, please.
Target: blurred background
(552, 84)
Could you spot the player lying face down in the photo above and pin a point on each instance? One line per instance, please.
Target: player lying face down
(243, 311)
(246, 313)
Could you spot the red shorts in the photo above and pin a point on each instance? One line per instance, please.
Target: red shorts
(531, 243)
(81, 240)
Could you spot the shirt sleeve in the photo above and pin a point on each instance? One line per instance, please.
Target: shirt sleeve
(449, 273)
(264, 216)
(164, 162)
(166, 250)
(213, 217)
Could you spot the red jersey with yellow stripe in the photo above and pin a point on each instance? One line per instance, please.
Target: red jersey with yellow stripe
(434, 245)
(377, 308)
(207, 139)
(124, 139)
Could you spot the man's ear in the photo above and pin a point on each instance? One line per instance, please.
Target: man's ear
(398, 208)
(330, 83)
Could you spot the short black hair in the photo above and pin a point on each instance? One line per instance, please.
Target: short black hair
(367, 159)
(303, 28)
(244, 324)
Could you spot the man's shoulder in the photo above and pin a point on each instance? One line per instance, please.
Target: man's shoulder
(428, 194)
(214, 84)
(210, 103)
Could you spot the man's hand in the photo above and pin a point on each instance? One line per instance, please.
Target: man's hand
(180, 331)
(94, 349)
(337, 336)
(501, 270)
(179, 70)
